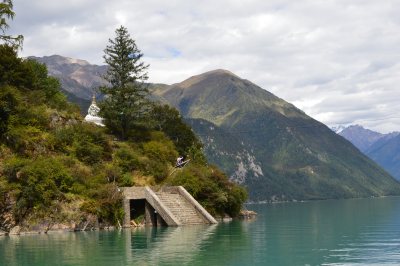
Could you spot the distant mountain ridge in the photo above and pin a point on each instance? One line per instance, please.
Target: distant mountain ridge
(386, 152)
(361, 137)
(268, 144)
(297, 156)
(78, 77)
(382, 148)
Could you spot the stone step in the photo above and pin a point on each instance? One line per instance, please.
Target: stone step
(182, 209)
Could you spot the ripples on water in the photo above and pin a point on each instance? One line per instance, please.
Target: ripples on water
(342, 232)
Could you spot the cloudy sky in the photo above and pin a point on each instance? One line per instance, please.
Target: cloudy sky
(338, 60)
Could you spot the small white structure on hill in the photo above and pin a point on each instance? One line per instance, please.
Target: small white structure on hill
(92, 116)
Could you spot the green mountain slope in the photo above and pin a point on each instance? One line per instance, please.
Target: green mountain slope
(226, 150)
(299, 157)
(260, 140)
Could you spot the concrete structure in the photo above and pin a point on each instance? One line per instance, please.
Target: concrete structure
(171, 206)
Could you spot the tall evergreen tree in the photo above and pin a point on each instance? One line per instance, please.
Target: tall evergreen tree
(6, 12)
(126, 105)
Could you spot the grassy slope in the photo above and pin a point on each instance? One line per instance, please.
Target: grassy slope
(301, 158)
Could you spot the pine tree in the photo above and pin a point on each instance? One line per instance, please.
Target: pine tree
(126, 105)
(6, 12)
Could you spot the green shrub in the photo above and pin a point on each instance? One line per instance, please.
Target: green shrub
(13, 71)
(108, 203)
(155, 168)
(86, 142)
(10, 99)
(162, 151)
(127, 158)
(28, 140)
(13, 166)
(168, 120)
(88, 152)
(211, 188)
(126, 180)
(189, 181)
(41, 181)
(37, 116)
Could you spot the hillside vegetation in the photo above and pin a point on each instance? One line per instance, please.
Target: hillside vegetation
(54, 168)
(267, 144)
(270, 146)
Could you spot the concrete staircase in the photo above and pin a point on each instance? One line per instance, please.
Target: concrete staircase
(172, 206)
(180, 208)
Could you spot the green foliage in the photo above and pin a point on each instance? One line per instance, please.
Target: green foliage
(28, 140)
(127, 158)
(10, 98)
(39, 182)
(31, 77)
(88, 152)
(212, 188)
(108, 204)
(287, 155)
(162, 150)
(50, 160)
(125, 106)
(12, 69)
(86, 142)
(6, 12)
(168, 120)
(12, 167)
(46, 87)
(159, 170)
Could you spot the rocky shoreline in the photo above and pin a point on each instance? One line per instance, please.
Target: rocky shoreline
(90, 223)
(61, 228)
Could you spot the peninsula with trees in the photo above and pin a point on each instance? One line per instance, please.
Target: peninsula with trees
(59, 172)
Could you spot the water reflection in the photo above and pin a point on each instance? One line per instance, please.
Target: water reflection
(343, 232)
(156, 246)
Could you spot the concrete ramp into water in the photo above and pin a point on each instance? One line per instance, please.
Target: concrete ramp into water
(171, 206)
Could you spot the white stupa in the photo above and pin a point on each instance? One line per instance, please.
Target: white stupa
(92, 116)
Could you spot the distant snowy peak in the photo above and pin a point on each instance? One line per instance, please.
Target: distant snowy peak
(339, 128)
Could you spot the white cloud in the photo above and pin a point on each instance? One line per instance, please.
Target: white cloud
(337, 60)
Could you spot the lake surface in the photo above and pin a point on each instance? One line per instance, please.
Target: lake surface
(334, 232)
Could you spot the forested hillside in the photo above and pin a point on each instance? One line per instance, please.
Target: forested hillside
(271, 146)
(55, 168)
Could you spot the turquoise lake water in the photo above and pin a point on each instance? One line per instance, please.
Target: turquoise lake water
(334, 232)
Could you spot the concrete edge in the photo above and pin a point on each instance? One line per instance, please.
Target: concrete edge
(157, 204)
(183, 192)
